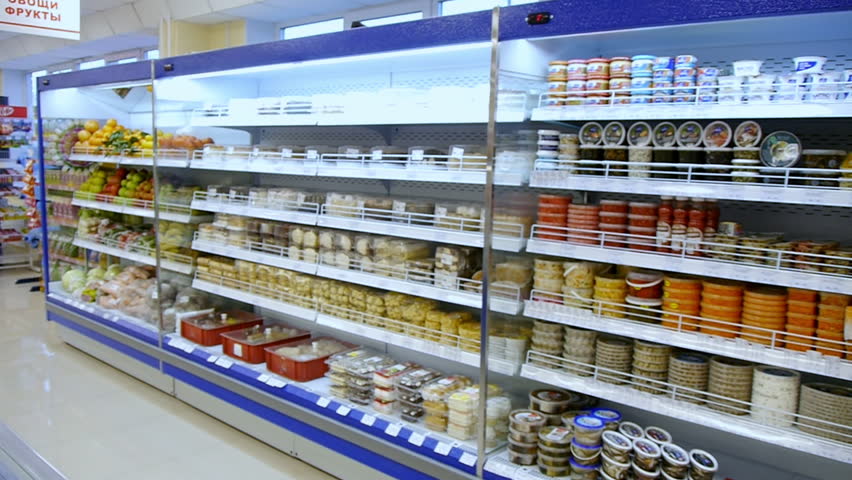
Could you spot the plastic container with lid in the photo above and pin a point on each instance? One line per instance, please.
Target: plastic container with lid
(703, 466)
(304, 360)
(620, 67)
(588, 429)
(519, 458)
(206, 329)
(631, 430)
(640, 473)
(689, 134)
(616, 446)
(597, 68)
(591, 133)
(658, 435)
(717, 134)
(780, 149)
(551, 400)
(614, 133)
(610, 417)
(583, 472)
(645, 284)
(675, 461)
(747, 134)
(526, 421)
(615, 469)
(646, 454)
(249, 344)
(554, 436)
(642, 65)
(585, 454)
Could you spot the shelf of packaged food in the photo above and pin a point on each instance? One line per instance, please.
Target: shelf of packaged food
(16, 224)
(358, 323)
(693, 181)
(688, 111)
(667, 403)
(711, 267)
(133, 326)
(63, 188)
(140, 208)
(367, 326)
(283, 211)
(507, 236)
(53, 220)
(270, 299)
(379, 166)
(316, 396)
(255, 252)
(684, 333)
(173, 158)
(176, 263)
(503, 300)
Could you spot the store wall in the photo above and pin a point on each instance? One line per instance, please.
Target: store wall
(13, 84)
(180, 38)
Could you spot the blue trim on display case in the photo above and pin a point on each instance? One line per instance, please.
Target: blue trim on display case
(327, 440)
(430, 32)
(120, 325)
(126, 72)
(115, 345)
(572, 17)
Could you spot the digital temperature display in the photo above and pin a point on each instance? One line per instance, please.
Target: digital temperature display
(539, 18)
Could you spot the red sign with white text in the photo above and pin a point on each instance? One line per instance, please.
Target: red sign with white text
(8, 111)
(48, 18)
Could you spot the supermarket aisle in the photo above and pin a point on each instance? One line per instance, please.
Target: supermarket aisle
(93, 422)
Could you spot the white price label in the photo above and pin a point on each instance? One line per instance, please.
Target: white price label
(212, 358)
(264, 378)
(323, 402)
(224, 362)
(417, 155)
(457, 152)
(174, 342)
(312, 154)
(368, 420)
(443, 448)
(393, 429)
(377, 154)
(343, 410)
(468, 459)
(238, 350)
(417, 439)
(286, 152)
(501, 468)
(189, 348)
(274, 382)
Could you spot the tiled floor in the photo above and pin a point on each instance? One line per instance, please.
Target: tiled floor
(93, 422)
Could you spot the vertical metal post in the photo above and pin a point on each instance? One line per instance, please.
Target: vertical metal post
(487, 232)
(155, 173)
(42, 197)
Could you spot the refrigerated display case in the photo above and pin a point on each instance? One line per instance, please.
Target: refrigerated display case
(447, 216)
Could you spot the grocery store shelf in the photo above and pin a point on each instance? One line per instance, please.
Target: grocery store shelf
(723, 190)
(438, 449)
(140, 208)
(252, 164)
(743, 426)
(261, 297)
(145, 158)
(175, 266)
(130, 325)
(663, 111)
(811, 361)
(402, 226)
(458, 297)
(264, 255)
(303, 213)
(697, 265)
(13, 224)
(447, 352)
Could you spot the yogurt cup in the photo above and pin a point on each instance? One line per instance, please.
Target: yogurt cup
(808, 64)
(642, 65)
(664, 134)
(631, 430)
(709, 72)
(609, 416)
(647, 454)
(614, 133)
(588, 430)
(641, 85)
(597, 68)
(704, 465)
(824, 82)
(557, 87)
(717, 134)
(686, 61)
(641, 99)
(748, 134)
(576, 68)
(675, 461)
(617, 446)
(596, 85)
(658, 435)
(662, 96)
(665, 74)
(575, 87)
(685, 72)
(622, 83)
(620, 67)
(747, 68)
(661, 63)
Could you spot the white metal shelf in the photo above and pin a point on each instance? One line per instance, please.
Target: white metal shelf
(248, 295)
(422, 232)
(268, 256)
(179, 267)
(686, 111)
(139, 208)
(812, 361)
(302, 213)
(697, 265)
(173, 158)
(451, 353)
(743, 426)
(752, 192)
(458, 297)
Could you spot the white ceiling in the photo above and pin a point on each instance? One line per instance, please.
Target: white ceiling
(110, 26)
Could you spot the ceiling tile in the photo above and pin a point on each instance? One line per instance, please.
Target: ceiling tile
(123, 19)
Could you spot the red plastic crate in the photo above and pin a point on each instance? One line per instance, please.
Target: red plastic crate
(234, 344)
(212, 336)
(299, 371)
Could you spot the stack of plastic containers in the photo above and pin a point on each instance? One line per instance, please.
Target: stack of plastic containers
(384, 381)
(801, 318)
(610, 293)
(579, 348)
(586, 445)
(645, 295)
(681, 296)
(408, 392)
(774, 392)
(830, 323)
(547, 338)
(764, 308)
(613, 220)
(553, 212)
(642, 226)
(597, 81)
(640, 150)
(614, 354)
(685, 73)
(620, 69)
(548, 149)
(524, 426)
(721, 300)
(435, 396)
(691, 371)
(579, 284)
(731, 379)
(614, 149)
(650, 366)
(583, 221)
(641, 78)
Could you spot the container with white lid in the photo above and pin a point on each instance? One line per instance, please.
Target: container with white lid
(647, 454)
(703, 466)
(658, 435)
(614, 133)
(689, 134)
(616, 445)
(780, 149)
(747, 134)
(675, 461)
(639, 134)
(591, 133)
(664, 134)
(717, 134)
(631, 430)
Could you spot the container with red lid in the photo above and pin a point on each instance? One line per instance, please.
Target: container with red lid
(561, 200)
(614, 206)
(304, 360)
(207, 329)
(577, 69)
(597, 68)
(249, 344)
(645, 284)
(644, 208)
(642, 238)
(557, 219)
(613, 218)
(645, 221)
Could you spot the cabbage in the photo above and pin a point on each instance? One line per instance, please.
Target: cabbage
(76, 276)
(112, 271)
(96, 274)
